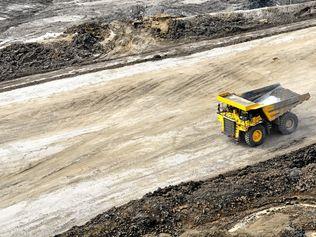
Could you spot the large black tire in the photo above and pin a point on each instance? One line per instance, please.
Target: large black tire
(256, 135)
(287, 123)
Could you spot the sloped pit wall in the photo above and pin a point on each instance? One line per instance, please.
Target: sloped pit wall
(228, 23)
(100, 40)
(220, 200)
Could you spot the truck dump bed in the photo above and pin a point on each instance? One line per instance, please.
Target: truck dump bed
(274, 100)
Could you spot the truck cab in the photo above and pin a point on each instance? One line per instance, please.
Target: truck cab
(251, 115)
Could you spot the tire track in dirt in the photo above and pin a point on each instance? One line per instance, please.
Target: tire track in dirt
(118, 139)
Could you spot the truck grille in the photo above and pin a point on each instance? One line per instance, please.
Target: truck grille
(229, 127)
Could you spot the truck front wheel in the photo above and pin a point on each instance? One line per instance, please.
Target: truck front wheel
(256, 135)
(287, 123)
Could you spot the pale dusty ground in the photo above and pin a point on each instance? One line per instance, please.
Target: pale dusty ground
(73, 148)
(36, 20)
(273, 220)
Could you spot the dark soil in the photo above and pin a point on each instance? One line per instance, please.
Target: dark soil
(175, 209)
(173, 9)
(231, 23)
(88, 43)
(25, 59)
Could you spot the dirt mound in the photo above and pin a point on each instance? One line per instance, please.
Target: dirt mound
(102, 40)
(25, 59)
(228, 23)
(218, 202)
(87, 35)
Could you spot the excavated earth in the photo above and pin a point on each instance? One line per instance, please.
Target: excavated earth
(56, 141)
(138, 30)
(285, 186)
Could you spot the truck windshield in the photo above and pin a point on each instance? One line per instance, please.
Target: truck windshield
(223, 107)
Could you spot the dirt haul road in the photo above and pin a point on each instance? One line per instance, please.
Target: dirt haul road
(73, 148)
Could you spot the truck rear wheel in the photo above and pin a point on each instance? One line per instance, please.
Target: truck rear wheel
(256, 135)
(287, 123)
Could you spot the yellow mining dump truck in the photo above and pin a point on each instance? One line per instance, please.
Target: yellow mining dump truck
(251, 115)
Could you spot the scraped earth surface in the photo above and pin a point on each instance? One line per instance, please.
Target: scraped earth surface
(73, 148)
(26, 20)
(279, 194)
(40, 36)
